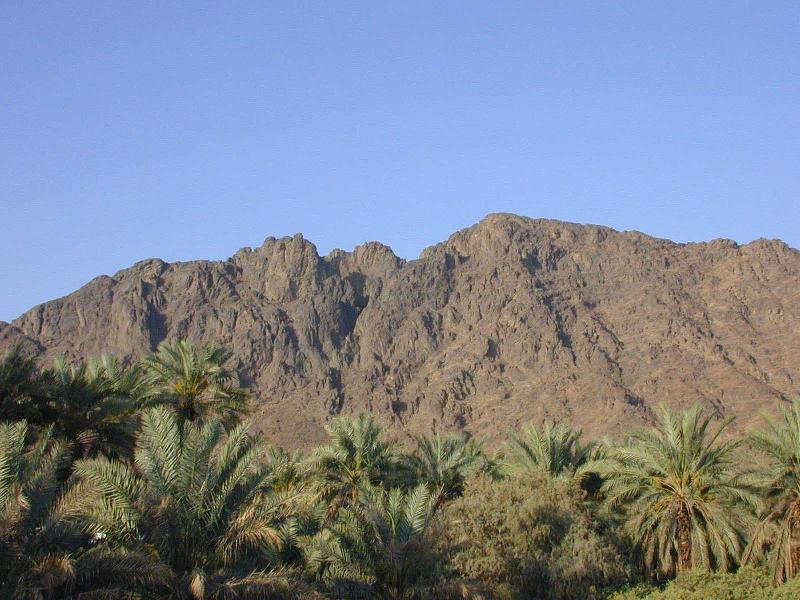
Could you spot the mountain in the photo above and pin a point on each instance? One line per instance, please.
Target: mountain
(511, 320)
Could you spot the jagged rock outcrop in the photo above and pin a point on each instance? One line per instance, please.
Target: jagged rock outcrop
(510, 320)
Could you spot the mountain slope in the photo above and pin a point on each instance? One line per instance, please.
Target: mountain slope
(510, 320)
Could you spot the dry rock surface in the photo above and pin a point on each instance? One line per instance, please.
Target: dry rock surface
(511, 320)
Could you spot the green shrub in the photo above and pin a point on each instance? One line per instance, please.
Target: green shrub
(749, 583)
(530, 538)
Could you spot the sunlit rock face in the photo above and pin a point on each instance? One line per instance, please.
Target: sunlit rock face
(508, 321)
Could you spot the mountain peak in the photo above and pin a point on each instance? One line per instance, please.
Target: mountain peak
(510, 320)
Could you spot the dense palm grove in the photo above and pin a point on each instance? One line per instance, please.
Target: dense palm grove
(146, 481)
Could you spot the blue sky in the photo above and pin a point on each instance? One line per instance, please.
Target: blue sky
(189, 130)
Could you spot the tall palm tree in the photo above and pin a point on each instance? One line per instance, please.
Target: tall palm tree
(92, 403)
(357, 453)
(199, 499)
(779, 526)
(684, 502)
(378, 547)
(195, 381)
(442, 464)
(45, 552)
(554, 449)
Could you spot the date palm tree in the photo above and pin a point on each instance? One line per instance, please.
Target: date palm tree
(443, 463)
(554, 448)
(683, 500)
(20, 386)
(377, 547)
(92, 404)
(199, 499)
(779, 525)
(287, 470)
(357, 453)
(45, 552)
(195, 382)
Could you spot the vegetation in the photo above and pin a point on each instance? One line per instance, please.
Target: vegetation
(195, 382)
(442, 464)
(357, 455)
(554, 448)
(45, 550)
(144, 481)
(379, 545)
(682, 500)
(93, 404)
(748, 583)
(199, 499)
(534, 537)
(779, 527)
(19, 385)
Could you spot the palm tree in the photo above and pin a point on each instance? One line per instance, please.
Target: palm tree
(357, 453)
(92, 404)
(554, 449)
(20, 386)
(195, 382)
(129, 382)
(287, 470)
(378, 547)
(45, 552)
(442, 464)
(779, 526)
(198, 498)
(684, 503)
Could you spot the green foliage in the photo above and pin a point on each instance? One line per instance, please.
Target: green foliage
(44, 550)
(679, 491)
(198, 499)
(442, 464)
(21, 388)
(174, 498)
(194, 381)
(287, 470)
(357, 454)
(92, 404)
(779, 526)
(377, 547)
(554, 448)
(748, 583)
(533, 537)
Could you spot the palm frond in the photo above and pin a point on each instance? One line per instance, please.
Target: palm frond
(684, 501)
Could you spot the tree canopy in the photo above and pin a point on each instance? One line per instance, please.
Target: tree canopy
(147, 481)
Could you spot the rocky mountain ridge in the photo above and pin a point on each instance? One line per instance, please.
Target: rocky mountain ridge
(511, 320)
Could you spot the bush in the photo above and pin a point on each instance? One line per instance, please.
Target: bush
(749, 583)
(530, 538)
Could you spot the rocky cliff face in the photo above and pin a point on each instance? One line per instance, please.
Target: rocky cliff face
(511, 320)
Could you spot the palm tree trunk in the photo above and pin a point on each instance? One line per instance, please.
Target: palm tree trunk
(794, 527)
(684, 539)
(192, 410)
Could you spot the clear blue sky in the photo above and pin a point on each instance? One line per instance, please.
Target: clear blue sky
(188, 130)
